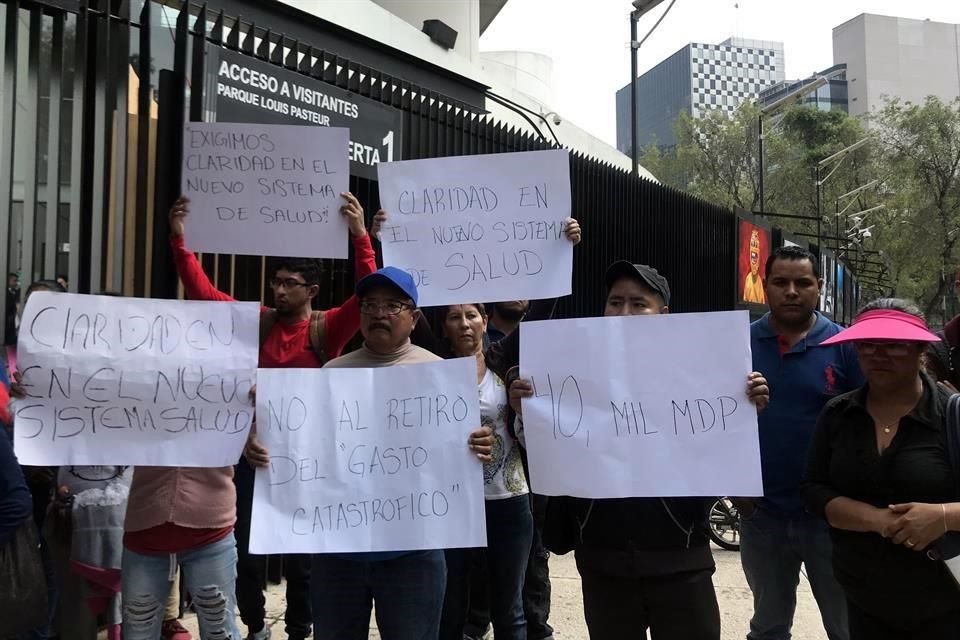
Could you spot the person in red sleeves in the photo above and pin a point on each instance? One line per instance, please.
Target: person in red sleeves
(193, 514)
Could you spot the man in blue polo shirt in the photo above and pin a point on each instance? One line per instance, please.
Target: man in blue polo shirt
(777, 534)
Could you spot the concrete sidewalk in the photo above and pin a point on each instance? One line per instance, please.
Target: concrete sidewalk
(736, 603)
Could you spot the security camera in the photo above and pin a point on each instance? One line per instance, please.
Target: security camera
(556, 119)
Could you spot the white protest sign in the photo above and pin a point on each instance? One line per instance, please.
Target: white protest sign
(368, 460)
(651, 405)
(266, 189)
(127, 381)
(480, 228)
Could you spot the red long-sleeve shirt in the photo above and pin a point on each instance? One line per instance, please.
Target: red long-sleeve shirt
(288, 345)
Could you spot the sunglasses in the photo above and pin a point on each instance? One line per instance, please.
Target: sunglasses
(894, 349)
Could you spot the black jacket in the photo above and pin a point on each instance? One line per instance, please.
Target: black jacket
(631, 536)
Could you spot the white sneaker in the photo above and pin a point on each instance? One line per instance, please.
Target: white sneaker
(263, 634)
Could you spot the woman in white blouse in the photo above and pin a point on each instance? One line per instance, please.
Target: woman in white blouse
(509, 519)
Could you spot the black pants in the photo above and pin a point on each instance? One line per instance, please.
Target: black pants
(252, 570)
(866, 626)
(536, 588)
(677, 607)
(478, 615)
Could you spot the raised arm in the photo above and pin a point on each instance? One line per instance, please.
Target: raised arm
(196, 284)
(504, 355)
(343, 322)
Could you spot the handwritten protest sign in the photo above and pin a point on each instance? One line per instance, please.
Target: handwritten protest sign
(480, 228)
(261, 189)
(124, 381)
(352, 470)
(659, 408)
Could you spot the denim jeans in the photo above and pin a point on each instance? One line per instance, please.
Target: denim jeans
(252, 570)
(772, 548)
(209, 574)
(408, 592)
(509, 535)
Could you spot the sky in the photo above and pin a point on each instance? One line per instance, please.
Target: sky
(588, 40)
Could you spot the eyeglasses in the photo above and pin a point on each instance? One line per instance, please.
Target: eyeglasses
(894, 349)
(390, 308)
(287, 283)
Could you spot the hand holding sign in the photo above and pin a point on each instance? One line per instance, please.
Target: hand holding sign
(120, 381)
(480, 228)
(673, 419)
(352, 212)
(266, 189)
(352, 470)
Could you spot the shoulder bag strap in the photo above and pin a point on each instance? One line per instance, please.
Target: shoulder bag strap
(268, 317)
(318, 335)
(953, 436)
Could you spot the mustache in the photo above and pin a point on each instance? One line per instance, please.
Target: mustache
(379, 325)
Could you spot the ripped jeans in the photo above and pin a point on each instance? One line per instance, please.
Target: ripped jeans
(210, 575)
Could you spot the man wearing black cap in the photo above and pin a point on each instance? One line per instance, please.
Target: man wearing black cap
(645, 563)
(408, 586)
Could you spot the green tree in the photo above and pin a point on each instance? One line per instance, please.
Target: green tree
(913, 153)
(921, 150)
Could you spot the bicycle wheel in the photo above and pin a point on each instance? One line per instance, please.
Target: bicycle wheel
(723, 524)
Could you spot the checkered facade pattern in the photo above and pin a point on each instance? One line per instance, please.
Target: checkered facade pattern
(695, 79)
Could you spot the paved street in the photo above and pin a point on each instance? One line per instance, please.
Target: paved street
(567, 614)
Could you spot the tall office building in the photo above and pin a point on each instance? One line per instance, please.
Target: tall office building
(693, 80)
(897, 57)
(830, 97)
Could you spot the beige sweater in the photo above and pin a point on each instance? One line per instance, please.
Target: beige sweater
(363, 358)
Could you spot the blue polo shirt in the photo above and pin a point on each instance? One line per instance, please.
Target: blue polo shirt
(802, 380)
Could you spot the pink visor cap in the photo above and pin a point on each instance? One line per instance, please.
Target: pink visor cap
(884, 324)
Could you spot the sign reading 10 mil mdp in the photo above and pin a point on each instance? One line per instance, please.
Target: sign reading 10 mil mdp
(252, 91)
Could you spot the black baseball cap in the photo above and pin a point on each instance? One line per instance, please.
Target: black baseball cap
(646, 274)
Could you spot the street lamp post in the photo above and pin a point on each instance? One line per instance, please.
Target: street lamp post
(791, 98)
(838, 157)
(633, 93)
(850, 194)
(859, 215)
(640, 7)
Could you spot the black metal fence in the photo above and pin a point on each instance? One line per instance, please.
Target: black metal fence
(93, 102)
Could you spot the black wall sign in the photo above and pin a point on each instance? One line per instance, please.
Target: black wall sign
(249, 90)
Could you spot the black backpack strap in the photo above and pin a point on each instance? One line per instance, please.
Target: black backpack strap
(318, 335)
(268, 318)
(952, 424)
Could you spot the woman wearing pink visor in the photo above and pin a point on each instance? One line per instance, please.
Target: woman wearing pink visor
(879, 472)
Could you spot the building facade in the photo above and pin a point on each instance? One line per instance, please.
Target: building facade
(831, 97)
(897, 58)
(694, 80)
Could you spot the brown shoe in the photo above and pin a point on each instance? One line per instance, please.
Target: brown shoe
(173, 630)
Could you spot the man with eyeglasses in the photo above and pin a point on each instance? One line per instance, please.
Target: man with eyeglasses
(407, 586)
(777, 534)
(292, 335)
